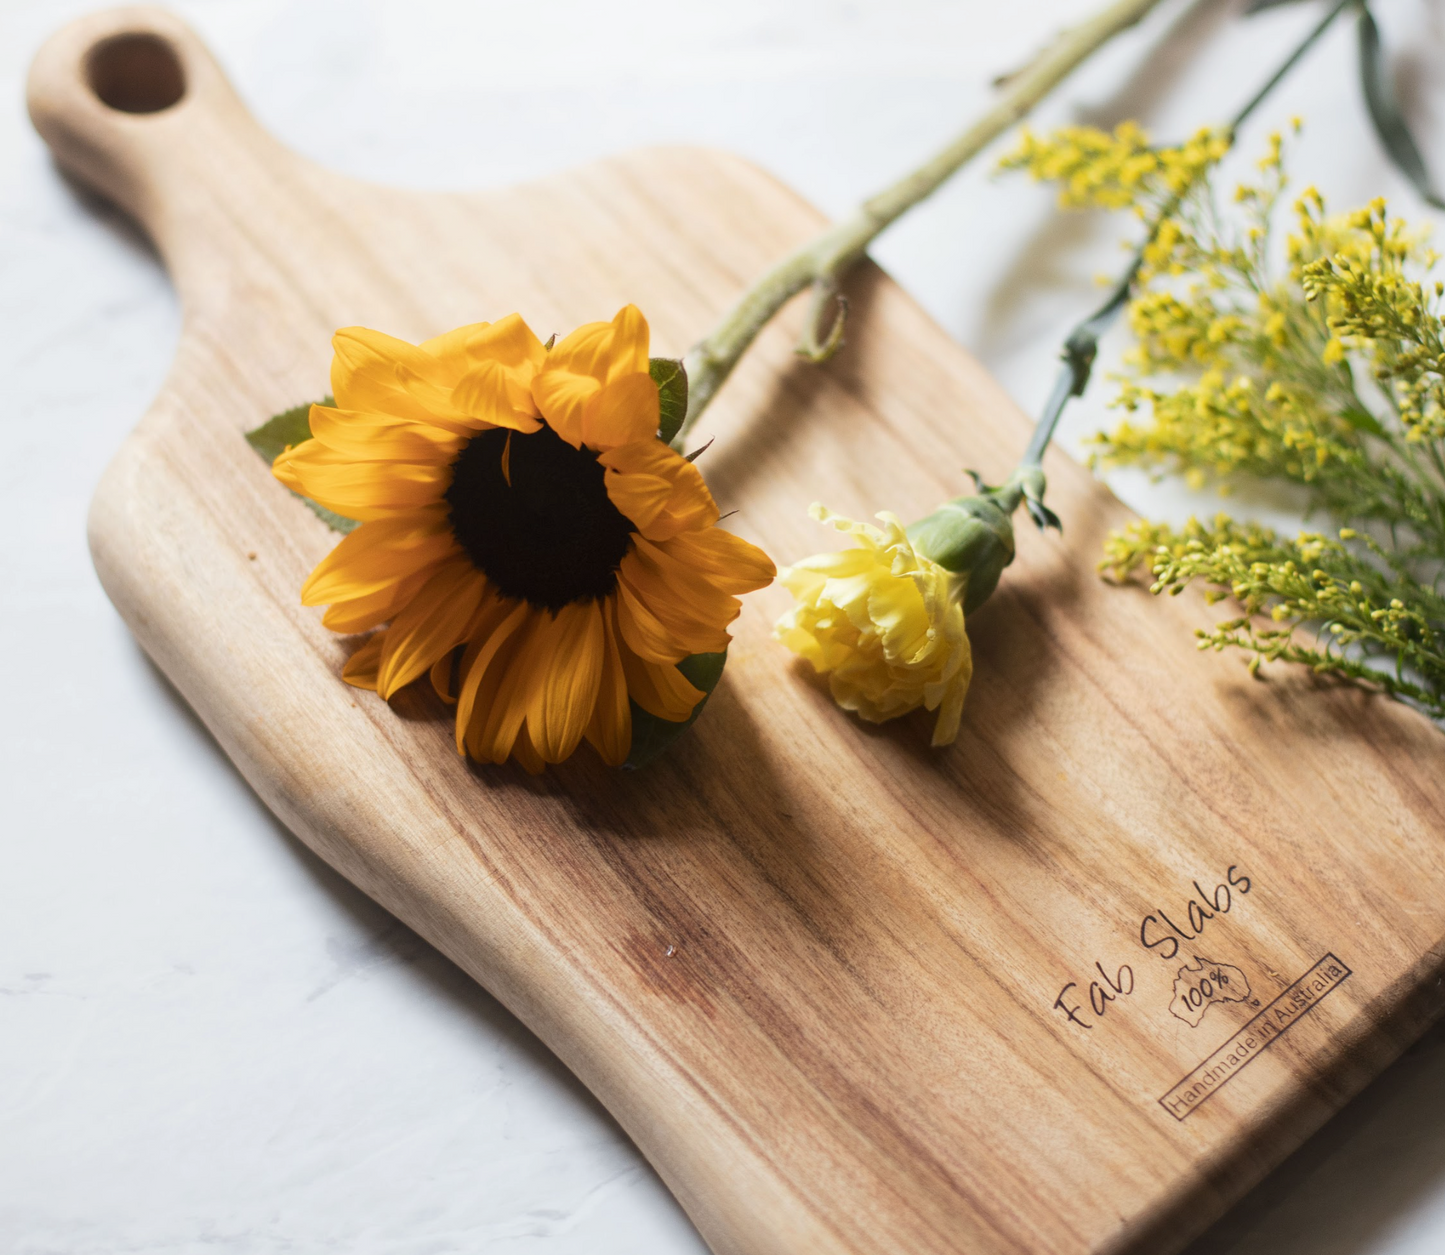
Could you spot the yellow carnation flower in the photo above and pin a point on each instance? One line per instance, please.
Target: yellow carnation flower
(883, 622)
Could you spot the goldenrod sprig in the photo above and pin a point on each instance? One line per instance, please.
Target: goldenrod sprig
(1371, 624)
(1270, 393)
(1376, 306)
(1162, 186)
(1326, 372)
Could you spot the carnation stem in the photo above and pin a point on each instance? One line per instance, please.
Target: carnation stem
(824, 260)
(1082, 345)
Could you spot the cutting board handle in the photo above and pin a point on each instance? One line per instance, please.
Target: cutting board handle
(132, 104)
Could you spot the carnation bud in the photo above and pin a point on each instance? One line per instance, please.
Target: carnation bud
(973, 537)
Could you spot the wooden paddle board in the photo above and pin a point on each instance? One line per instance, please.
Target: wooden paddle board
(1070, 985)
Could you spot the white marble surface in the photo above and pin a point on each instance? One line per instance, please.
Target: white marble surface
(209, 1042)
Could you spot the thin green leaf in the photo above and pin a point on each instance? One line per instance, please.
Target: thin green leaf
(1385, 111)
(1362, 420)
(651, 735)
(287, 429)
(670, 377)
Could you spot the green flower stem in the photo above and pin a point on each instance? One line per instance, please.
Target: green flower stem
(824, 260)
(1082, 347)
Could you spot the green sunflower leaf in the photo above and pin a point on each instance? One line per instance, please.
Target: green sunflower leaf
(670, 377)
(293, 427)
(651, 735)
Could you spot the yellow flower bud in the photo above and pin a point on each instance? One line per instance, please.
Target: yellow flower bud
(883, 622)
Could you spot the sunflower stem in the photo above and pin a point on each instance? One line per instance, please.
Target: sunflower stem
(823, 261)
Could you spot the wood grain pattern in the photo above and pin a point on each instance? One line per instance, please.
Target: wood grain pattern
(813, 967)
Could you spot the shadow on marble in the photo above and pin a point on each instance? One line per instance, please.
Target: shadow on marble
(1151, 81)
(1358, 1183)
(124, 230)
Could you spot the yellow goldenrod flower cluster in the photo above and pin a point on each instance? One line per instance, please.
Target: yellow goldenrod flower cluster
(1368, 627)
(1118, 169)
(1225, 425)
(1375, 308)
(1317, 362)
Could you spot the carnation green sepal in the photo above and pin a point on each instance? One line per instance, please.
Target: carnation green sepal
(971, 537)
(651, 735)
(289, 428)
(670, 376)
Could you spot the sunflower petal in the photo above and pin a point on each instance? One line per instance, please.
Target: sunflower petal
(631, 472)
(609, 731)
(453, 343)
(370, 437)
(502, 619)
(583, 351)
(441, 677)
(694, 615)
(562, 396)
(368, 372)
(509, 342)
(524, 669)
(364, 355)
(360, 668)
(526, 753)
(562, 705)
(641, 631)
(492, 394)
(432, 624)
(691, 587)
(378, 555)
(361, 614)
(641, 498)
(625, 411)
(659, 688)
(630, 338)
(360, 490)
(729, 562)
(604, 350)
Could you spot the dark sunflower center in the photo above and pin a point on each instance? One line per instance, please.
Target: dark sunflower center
(541, 526)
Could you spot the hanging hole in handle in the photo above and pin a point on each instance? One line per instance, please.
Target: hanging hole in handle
(136, 73)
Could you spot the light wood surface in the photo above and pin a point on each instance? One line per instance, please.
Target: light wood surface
(821, 973)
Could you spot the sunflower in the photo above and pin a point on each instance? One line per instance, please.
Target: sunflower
(532, 545)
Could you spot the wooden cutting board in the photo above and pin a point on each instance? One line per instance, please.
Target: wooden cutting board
(1071, 985)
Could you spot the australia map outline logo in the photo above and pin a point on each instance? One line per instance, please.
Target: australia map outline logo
(1201, 984)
